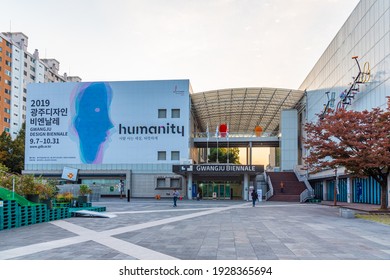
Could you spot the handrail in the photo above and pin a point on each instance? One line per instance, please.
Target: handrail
(305, 195)
(271, 189)
(233, 135)
(309, 192)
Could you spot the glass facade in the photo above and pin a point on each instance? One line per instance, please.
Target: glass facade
(220, 189)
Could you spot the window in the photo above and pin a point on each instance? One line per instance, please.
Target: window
(161, 155)
(6, 129)
(162, 113)
(6, 100)
(7, 120)
(175, 183)
(7, 72)
(175, 113)
(175, 155)
(8, 111)
(161, 182)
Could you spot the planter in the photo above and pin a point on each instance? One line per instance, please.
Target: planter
(48, 203)
(33, 198)
(82, 199)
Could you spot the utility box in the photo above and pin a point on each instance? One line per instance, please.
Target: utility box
(347, 213)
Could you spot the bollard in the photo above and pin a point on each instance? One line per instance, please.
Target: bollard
(128, 195)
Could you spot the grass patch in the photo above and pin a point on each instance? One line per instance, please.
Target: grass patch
(379, 218)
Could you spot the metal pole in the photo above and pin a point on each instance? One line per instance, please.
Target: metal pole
(13, 187)
(335, 188)
(217, 151)
(207, 151)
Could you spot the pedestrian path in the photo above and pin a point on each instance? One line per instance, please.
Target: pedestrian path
(200, 230)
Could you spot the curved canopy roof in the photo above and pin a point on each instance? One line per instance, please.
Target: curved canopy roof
(243, 108)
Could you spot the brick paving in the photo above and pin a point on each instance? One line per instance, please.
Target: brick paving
(148, 229)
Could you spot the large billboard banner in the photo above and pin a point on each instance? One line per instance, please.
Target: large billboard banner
(106, 122)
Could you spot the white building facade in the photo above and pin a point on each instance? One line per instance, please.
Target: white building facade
(363, 41)
(111, 131)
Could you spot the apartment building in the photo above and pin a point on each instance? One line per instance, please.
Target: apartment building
(5, 84)
(18, 68)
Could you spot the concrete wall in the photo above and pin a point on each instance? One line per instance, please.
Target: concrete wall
(289, 139)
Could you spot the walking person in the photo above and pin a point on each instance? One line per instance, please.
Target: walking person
(359, 193)
(122, 188)
(282, 187)
(175, 197)
(255, 196)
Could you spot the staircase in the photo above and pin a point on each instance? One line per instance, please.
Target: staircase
(292, 187)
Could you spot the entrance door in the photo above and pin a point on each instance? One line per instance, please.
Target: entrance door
(215, 190)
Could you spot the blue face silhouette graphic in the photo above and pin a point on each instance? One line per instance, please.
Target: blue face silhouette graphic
(92, 120)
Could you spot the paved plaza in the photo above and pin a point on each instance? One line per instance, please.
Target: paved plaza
(148, 229)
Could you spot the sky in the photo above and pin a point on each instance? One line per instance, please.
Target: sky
(216, 44)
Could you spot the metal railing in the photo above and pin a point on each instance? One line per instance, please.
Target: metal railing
(271, 188)
(309, 192)
(305, 195)
(212, 135)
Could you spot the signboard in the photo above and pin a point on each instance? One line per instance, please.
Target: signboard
(106, 122)
(69, 173)
(218, 168)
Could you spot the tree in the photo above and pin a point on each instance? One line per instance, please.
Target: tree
(223, 155)
(12, 151)
(17, 158)
(359, 141)
(5, 149)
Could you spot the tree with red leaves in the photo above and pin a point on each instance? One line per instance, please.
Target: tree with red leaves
(359, 141)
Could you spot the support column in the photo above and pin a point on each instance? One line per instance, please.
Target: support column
(324, 190)
(247, 155)
(349, 190)
(245, 189)
(129, 184)
(250, 153)
(189, 185)
(388, 191)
